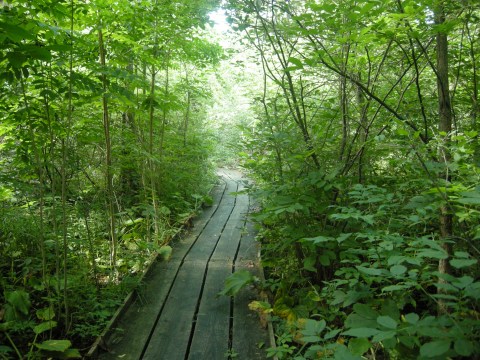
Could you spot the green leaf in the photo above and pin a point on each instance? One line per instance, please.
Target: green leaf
(469, 198)
(324, 259)
(461, 263)
(463, 347)
(342, 353)
(387, 322)
(434, 254)
(5, 349)
(318, 239)
(298, 63)
(45, 326)
(395, 288)
(412, 318)
(398, 270)
(16, 33)
(19, 300)
(165, 252)
(370, 271)
(45, 314)
(435, 348)
(361, 332)
(359, 346)
(235, 282)
(365, 311)
(309, 263)
(54, 345)
(71, 354)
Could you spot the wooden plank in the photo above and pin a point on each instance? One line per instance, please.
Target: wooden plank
(232, 233)
(249, 338)
(212, 328)
(207, 241)
(126, 340)
(171, 336)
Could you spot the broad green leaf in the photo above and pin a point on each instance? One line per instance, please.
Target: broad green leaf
(313, 327)
(298, 63)
(463, 347)
(331, 334)
(55, 345)
(370, 271)
(311, 338)
(461, 263)
(469, 198)
(235, 282)
(365, 311)
(45, 326)
(16, 33)
(361, 332)
(318, 239)
(412, 318)
(462, 254)
(434, 254)
(387, 322)
(324, 259)
(343, 353)
(70, 354)
(395, 288)
(309, 263)
(409, 341)
(5, 349)
(46, 314)
(359, 346)
(435, 348)
(463, 282)
(398, 270)
(19, 300)
(384, 335)
(473, 291)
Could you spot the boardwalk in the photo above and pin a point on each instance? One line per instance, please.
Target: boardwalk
(177, 314)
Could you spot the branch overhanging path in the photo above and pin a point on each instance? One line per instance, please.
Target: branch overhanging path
(177, 314)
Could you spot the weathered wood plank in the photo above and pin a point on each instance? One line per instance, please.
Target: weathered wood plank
(249, 338)
(210, 339)
(171, 336)
(127, 339)
(178, 314)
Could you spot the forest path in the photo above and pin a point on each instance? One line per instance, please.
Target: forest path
(178, 315)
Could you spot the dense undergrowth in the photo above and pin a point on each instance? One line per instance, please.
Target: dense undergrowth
(364, 150)
(353, 269)
(105, 153)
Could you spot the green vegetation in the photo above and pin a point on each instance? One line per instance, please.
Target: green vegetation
(358, 121)
(365, 154)
(103, 156)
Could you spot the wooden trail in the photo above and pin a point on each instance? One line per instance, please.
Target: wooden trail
(177, 314)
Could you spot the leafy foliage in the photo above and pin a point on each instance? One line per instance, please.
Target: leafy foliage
(369, 209)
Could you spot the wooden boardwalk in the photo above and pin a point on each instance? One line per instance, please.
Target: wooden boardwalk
(177, 314)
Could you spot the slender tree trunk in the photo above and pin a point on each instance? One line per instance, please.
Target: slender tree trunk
(151, 115)
(108, 162)
(362, 111)
(165, 109)
(445, 128)
(475, 104)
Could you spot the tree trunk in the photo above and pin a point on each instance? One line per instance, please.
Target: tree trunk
(108, 162)
(445, 128)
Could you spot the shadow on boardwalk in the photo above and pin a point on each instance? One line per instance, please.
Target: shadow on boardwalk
(177, 315)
